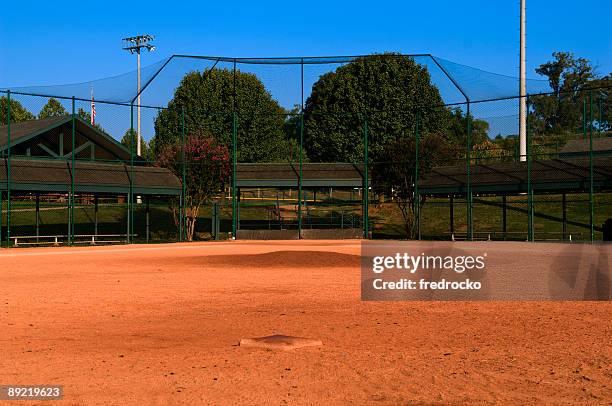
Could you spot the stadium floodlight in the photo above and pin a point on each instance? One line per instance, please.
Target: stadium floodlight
(134, 45)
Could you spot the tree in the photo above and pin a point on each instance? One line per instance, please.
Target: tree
(560, 112)
(387, 88)
(18, 112)
(458, 128)
(395, 174)
(208, 102)
(53, 108)
(602, 102)
(145, 152)
(86, 116)
(207, 171)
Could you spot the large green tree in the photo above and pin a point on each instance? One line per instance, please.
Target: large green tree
(209, 99)
(53, 108)
(18, 112)
(560, 112)
(385, 88)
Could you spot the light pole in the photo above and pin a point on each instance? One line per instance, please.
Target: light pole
(134, 45)
(522, 90)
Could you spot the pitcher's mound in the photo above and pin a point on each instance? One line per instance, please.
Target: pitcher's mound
(279, 342)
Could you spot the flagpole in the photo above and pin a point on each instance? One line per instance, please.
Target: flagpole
(92, 113)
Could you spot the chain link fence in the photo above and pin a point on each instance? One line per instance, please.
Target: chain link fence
(382, 146)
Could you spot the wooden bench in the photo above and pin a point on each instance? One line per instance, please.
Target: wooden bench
(56, 240)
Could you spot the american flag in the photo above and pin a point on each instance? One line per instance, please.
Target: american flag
(93, 109)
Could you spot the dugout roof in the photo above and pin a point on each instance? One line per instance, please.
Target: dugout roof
(54, 176)
(287, 175)
(551, 175)
(41, 152)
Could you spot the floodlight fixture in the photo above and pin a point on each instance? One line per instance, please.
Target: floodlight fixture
(133, 45)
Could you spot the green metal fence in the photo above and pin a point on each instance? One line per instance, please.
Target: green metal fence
(561, 192)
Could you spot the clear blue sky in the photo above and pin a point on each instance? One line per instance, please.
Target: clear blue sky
(54, 42)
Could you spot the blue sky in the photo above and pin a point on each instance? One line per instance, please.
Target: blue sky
(67, 42)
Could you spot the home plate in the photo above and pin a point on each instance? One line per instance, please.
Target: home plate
(279, 342)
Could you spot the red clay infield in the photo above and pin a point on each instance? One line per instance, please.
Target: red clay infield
(160, 325)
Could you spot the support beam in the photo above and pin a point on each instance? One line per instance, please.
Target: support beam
(82, 147)
(366, 182)
(69, 214)
(96, 207)
(147, 220)
(238, 210)
(49, 151)
(37, 217)
(564, 210)
(504, 216)
(451, 207)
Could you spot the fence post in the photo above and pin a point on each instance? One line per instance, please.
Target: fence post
(182, 211)
(417, 197)
(147, 220)
(366, 182)
(1, 214)
(72, 183)
(37, 216)
(301, 149)
(130, 186)
(8, 171)
(584, 118)
(530, 225)
(234, 157)
(234, 176)
(301, 164)
(96, 208)
(470, 221)
(591, 188)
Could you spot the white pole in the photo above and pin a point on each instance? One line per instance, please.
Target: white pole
(522, 91)
(138, 124)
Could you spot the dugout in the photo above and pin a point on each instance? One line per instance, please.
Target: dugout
(48, 175)
(331, 205)
(535, 182)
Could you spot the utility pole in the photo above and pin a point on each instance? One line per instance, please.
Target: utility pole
(134, 45)
(522, 91)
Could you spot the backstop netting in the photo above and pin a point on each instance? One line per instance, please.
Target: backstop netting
(376, 146)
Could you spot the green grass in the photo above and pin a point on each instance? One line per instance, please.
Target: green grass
(385, 218)
(488, 215)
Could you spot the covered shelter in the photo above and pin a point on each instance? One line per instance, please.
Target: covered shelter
(289, 220)
(67, 158)
(561, 176)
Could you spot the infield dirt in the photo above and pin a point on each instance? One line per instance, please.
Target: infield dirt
(161, 325)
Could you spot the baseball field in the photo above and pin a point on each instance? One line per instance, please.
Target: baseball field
(161, 325)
